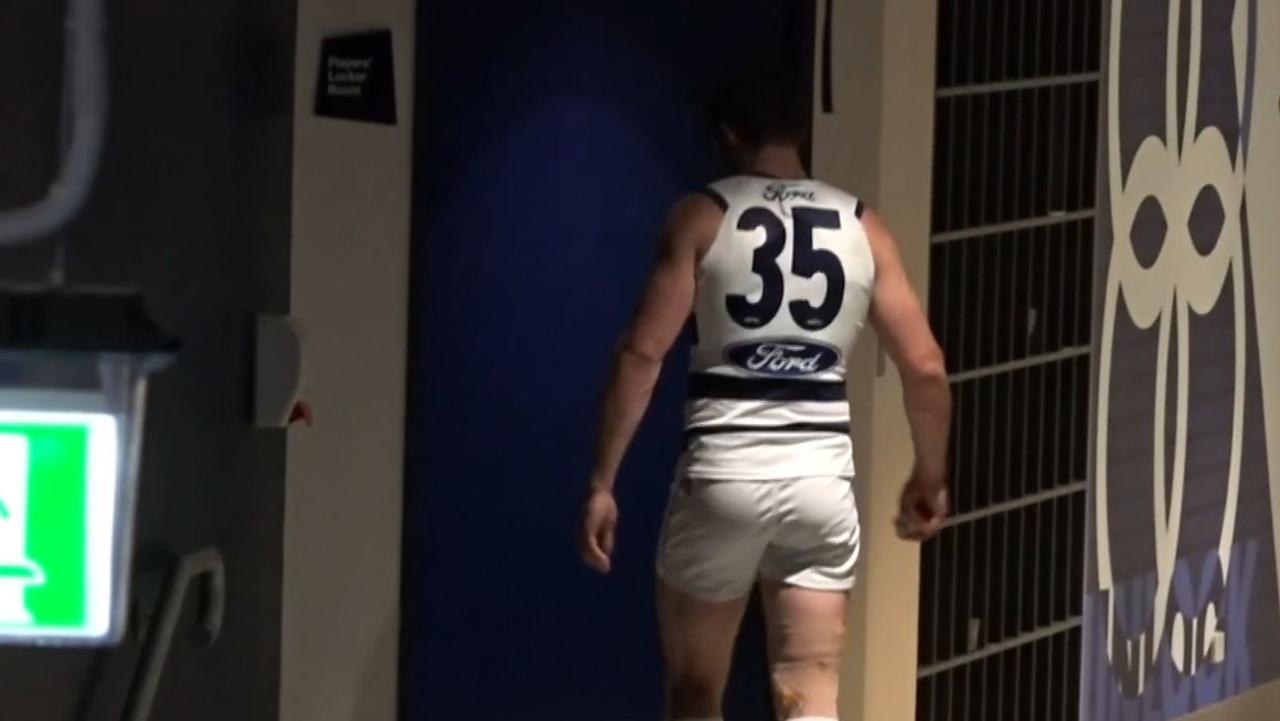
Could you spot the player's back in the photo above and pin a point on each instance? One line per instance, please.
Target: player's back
(782, 294)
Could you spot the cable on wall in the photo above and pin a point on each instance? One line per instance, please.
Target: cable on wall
(85, 112)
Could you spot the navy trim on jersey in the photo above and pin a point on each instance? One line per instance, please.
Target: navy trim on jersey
(857, 210)
(715, 385)
(716, 198)
(699, 431)
(771, 176)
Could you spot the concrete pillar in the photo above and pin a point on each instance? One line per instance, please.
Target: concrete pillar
(878, 144)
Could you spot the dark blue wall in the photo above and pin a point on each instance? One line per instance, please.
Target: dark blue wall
(552, 138)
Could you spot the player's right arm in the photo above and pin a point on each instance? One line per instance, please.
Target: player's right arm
(660, 317)
(902, 327)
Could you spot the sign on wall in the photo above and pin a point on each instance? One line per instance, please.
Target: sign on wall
(357, 78)
(1183, 607)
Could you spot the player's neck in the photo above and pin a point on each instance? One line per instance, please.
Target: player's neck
(779, 161)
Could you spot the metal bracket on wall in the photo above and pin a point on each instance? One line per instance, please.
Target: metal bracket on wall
(205, 566)
(828, 73)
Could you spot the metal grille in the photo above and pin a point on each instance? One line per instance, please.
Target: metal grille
(1010, 298)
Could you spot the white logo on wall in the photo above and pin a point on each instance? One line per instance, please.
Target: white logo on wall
(1161, 294)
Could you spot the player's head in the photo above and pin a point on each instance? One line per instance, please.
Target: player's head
(756, 109)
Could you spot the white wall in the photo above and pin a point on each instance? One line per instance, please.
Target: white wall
(879, 145)
(1258, 705)
(351, 203)
(1262, 176)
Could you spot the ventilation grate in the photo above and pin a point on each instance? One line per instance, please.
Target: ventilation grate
(1011, 302)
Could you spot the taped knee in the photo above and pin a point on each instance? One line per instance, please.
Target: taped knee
(815, 653)
(794, 672)
(804, 683)
(806, 665)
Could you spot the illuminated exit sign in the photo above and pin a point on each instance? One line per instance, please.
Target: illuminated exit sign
(58, 496)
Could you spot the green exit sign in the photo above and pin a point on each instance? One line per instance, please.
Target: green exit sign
(58, 497)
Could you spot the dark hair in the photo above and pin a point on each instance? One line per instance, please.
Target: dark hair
(760, 107)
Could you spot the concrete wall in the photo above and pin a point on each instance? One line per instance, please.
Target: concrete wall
(349, 280)
(878, 143)
(1259, 704)
(1262, 177)
(192, 207)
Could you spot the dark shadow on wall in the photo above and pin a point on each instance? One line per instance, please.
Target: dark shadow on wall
(192, 206)
(551, 139)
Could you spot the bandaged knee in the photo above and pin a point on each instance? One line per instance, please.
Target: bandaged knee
(806, 673)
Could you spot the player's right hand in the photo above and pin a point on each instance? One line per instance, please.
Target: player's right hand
(599, 521)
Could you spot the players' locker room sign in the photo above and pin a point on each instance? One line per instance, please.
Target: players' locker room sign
(57, 503)
(357, 78)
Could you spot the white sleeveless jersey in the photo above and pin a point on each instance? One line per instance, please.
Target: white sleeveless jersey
(782, 295)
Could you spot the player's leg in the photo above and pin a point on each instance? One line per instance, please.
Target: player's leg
(697, 642)
(809, 570)
(806, 639)
(710, 551)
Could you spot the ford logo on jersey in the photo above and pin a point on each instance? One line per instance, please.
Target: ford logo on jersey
(783, 357)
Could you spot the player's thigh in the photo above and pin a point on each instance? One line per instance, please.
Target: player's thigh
(698, 637)
(806, 630)
(804, 623)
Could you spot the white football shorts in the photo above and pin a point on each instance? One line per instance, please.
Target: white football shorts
(719, 536)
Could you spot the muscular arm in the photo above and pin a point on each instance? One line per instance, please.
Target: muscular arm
(904, 330)
(664, 308)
